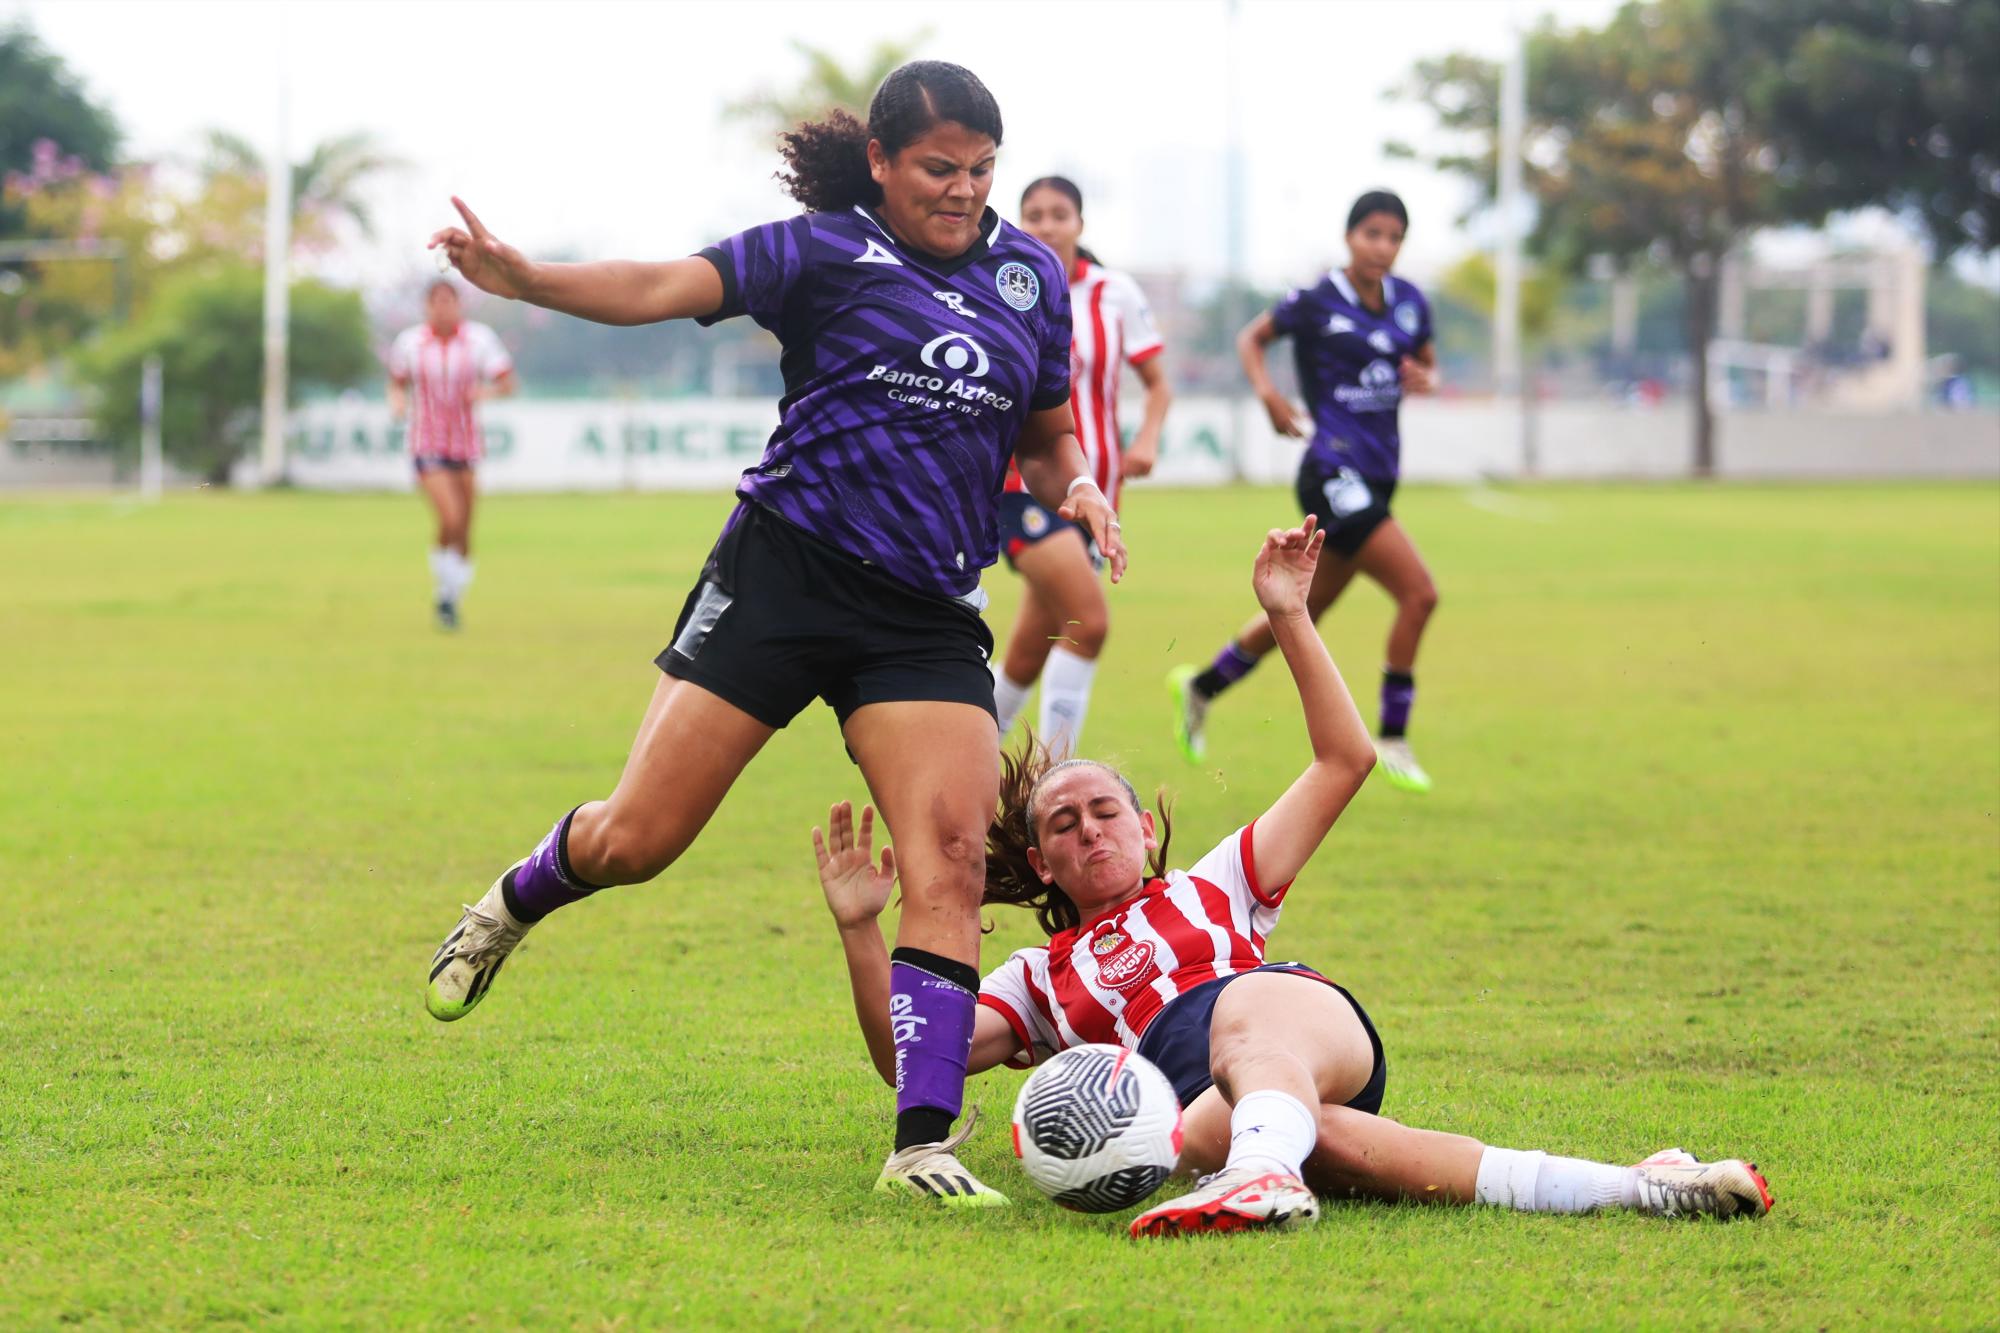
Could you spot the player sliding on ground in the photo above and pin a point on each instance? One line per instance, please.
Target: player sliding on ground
(925, 342)
(1279, 1069)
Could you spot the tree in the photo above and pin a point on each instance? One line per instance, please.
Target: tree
(47, 121)
(207, 329)
(1881, 102)
(826, 86)
(1660, 136)
(327, 187)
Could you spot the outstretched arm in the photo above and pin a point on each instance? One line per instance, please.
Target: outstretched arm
(610, 291)
(1287, 834)
(856, 892)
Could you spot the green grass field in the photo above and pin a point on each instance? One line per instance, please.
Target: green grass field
(1713, 861)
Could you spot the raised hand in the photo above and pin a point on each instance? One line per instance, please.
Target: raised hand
(487, 262)
(1285, 565)
(856, 889)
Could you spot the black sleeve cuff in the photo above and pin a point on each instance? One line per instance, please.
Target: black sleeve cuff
(727, 272)
(1042, 402)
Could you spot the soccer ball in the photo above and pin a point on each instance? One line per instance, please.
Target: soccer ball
(1097, 1128)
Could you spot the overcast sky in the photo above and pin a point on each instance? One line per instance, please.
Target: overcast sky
(597, 128)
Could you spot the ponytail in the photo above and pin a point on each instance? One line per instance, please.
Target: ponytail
(826, 164)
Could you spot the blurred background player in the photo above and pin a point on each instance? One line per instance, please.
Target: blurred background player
(1362, 339)
(1280, 1071)
(1063, 618)
(438, 373)
(918, 323)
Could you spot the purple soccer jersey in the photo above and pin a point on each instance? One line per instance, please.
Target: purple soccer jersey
(907, 382)
(1349, 361)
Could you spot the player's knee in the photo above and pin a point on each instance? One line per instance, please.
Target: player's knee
(1088, 630)
(959, 876)
(1422, 600)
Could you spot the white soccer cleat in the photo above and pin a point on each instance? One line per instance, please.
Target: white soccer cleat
(463, 968)
(1674, 1184)
(1238, 1200)
(1393, 757)
(933, 1171)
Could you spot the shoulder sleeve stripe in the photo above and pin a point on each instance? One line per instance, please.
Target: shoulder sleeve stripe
(1247, 846)
(726, 269)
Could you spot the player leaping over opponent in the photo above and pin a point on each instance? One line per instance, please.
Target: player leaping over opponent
(1280, 1069)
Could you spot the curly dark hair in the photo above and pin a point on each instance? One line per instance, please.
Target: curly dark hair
(1010, 880)
(826, 161)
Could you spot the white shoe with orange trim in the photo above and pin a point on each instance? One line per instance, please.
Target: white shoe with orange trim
(1237, 1200)
(1673, 1183)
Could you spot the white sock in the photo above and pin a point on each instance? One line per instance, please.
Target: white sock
(1534, 1182)
(441, 558)
(1271, 1131)
(1008, 697)
(455, 576)
(1065, 699)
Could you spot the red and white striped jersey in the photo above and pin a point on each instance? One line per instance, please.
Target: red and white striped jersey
(1105, 980)
(1112, 329)
(440, 374)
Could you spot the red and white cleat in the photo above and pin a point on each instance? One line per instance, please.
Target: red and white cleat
(1674, 1184)
(1239, 1200)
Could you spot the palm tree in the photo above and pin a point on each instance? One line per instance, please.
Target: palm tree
(327, 185)
(827, 86)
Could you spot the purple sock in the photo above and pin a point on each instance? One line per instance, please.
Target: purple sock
(930, 1016)
(545, 881)
(1399, 691)
(1230, 665)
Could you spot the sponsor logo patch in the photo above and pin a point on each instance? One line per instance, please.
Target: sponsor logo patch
(1018, 286)
(1121, 960)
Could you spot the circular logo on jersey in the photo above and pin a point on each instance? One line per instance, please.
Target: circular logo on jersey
(1377, 375)
(1035, 520)
(1121, 960)
(1018, 286)
(1406, 317)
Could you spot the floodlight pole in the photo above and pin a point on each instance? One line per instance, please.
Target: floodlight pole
(152, 466)
(1507, 376)
(1232, 223)
(277, 287)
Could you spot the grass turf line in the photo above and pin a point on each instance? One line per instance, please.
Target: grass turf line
(1712, 861)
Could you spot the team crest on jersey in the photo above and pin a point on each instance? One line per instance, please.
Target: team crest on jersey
(1018, 286)
(1121, 960)
(1407, 317)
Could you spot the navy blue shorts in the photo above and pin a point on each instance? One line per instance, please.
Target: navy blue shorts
(1177, 1040)
(433, 463)
(1023, 522)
